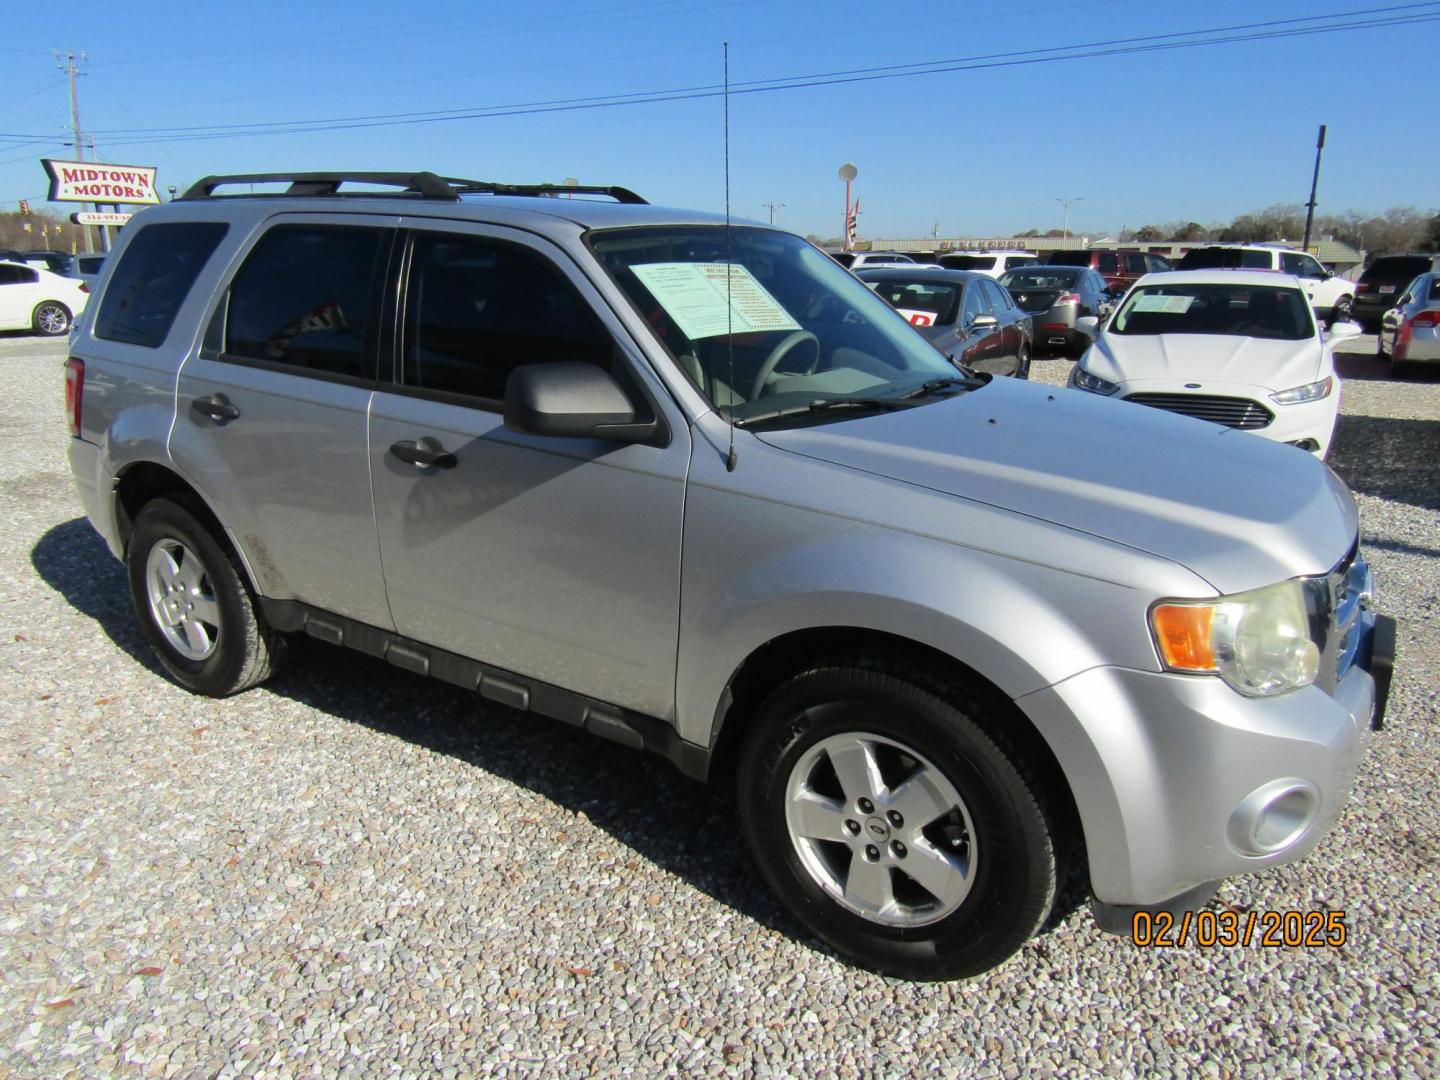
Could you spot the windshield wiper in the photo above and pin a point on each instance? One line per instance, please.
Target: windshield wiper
(824, 405)
(927, 388)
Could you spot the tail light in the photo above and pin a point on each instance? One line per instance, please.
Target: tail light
(1068, 298)
(1425, 320)
(74, 389)
(1364, 286)
(84, 288)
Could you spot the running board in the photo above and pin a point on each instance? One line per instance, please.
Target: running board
(619, 725)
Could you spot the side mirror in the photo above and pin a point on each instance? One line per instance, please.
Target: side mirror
(1088, 325)
(1342, 330)
(984, 322)
(576, 401)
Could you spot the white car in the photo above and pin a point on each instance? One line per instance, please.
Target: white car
(1237, 348)
(1330, 296)
(34, 299)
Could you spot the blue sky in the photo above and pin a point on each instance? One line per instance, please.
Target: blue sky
(1201, 133)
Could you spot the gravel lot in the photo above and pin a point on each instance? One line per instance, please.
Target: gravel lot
(356, 871)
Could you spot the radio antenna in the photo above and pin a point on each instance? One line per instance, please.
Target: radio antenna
(729, 271)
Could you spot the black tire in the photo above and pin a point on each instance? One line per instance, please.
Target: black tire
(1343, 311)
(245, 650)
(1017, 860)
(50, 319)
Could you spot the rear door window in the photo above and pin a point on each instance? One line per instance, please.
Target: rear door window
(154, 275)
(999, 301)
(18, 275)
(1134, 263)
(1107, 262)
(306, 299)
(477, 309)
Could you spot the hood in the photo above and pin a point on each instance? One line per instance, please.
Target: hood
(1238, 510)
(1216, 358)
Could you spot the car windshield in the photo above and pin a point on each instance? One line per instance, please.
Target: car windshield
(1035, 277)
(922, 302)
(796, 328)
(968, 262)
(1203, 308)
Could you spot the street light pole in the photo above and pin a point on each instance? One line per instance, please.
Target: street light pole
(772, 207)
(1066, 203)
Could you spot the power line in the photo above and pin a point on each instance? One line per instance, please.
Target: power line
(1370, 18)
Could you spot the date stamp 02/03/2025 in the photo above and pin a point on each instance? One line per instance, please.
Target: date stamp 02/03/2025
(1223, 929)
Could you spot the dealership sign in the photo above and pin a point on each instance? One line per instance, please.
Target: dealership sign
(105, 218)
(92, 182)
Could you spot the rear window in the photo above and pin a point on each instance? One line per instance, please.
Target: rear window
(923, 303)
(152, 280)
(1058, 277)
(304, 299)
(1396, 268)
(1069, 258)
(1434, 289)
(1225, 259)
(844, 258)
(969, 262)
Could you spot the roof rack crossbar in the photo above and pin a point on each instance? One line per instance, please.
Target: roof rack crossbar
(425, 184)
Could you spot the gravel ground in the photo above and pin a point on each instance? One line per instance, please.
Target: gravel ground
(356, 871)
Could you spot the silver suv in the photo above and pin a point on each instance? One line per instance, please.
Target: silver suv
(695, 488)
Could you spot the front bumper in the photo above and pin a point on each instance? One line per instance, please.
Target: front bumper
(1181, 782)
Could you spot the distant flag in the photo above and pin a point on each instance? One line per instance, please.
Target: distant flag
(850, 225)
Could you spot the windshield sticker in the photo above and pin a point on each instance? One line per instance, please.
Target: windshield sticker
(918, 318)
(1170, 305)
(693, 294)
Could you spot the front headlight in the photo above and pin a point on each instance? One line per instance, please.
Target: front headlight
(1298, 395)
(1096, 385)
(1258, 642)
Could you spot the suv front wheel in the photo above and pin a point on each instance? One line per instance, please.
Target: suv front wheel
(897, 824)
(194, 606)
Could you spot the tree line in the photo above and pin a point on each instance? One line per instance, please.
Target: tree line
(1401, 228)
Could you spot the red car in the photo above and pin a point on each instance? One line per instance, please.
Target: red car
(1121, 269)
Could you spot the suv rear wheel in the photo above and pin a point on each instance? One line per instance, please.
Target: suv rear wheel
(895, 824)
(194, 606)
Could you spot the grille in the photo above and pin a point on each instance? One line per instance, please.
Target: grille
(1336, 608)
(1232, 412)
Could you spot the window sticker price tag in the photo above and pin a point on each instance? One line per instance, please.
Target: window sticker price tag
(693, 294)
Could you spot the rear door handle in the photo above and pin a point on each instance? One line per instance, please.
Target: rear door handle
(423, 454)
(215, 406)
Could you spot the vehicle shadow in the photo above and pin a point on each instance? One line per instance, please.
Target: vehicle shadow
(1392, 459)
(1368, 367)
(681, 826)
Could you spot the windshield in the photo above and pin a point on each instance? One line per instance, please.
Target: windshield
(1195, 308)
(797, 328)
(1036, 277)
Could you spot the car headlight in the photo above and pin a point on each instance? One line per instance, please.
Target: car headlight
(1258, 642)
(1096, 385)
(1298, 395)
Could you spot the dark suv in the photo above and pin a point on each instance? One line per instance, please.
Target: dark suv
(1121, 269)
(1381, 285)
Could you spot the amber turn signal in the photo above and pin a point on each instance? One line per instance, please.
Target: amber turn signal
(1183, 633)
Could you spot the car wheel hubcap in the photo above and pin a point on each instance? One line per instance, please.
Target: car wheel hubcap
(182, 599)
(52, 319)
(881, 830)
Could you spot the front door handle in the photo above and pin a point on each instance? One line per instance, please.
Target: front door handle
(215, 406)
(423, 454)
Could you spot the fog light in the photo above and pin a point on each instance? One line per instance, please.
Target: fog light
(1273, 817)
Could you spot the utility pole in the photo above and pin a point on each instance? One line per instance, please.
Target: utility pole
(1066, 203)
(1314, 187)
(68, 64)
(772, 207)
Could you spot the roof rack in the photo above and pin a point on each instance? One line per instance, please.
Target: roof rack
(427, 185)
(619, 194)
